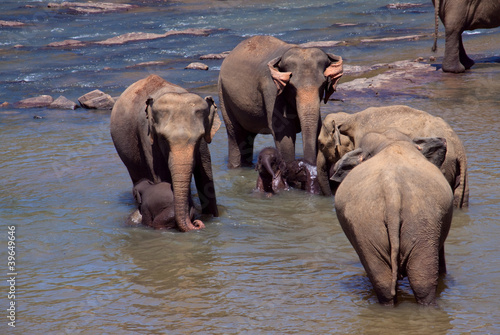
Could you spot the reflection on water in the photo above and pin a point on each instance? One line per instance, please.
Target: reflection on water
(266, 265)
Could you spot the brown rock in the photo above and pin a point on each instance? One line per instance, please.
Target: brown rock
(197, 66)
(11, 24)
(91, 7)
(404, 5)
(97, 100)
(391, 39)
(36, 102)
(67, 44)
(222, 55)
(321, 44)
(5, 104)
(63, 103)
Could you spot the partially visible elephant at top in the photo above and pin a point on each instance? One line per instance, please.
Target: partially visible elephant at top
(161, 133)
(396, 207)
(267, 86)
(458, 16)
(342, 132)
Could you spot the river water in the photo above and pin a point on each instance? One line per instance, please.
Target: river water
(279, 265)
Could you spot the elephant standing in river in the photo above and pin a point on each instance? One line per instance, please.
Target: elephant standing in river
(458, 16)
(267, 86)
(342, 132)
(161, 133)
(395, 208)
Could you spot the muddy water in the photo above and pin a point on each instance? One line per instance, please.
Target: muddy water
(274, 266)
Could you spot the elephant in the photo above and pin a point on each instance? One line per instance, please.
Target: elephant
(395, 208)
(276, 175)
(342, 132)
(161, 133)
(458, 16)
(267, 86)
(156, 204)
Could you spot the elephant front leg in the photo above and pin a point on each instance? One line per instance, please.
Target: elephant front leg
(240, 148)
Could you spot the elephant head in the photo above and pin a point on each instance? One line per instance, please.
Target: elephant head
(433, 148)
(178, 126)
(305, 76)
(332, 146)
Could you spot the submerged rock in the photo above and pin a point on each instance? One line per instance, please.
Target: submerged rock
(321, 44)
(35, 102)
(63, 103)
(197, 66)
(133, 37)
(391, 39)
(96, 100)
(67, 44)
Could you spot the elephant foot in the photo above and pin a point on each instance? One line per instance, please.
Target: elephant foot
(456, 68)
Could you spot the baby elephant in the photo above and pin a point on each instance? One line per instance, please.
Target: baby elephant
(276, 175)
(156, 205)
(395, 206)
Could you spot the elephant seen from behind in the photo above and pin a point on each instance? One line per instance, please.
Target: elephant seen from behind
(161, 133)
(395, 208)
(342, 132)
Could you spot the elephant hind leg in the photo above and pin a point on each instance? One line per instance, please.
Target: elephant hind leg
(464, 59)
(423, 273)
(380, 274)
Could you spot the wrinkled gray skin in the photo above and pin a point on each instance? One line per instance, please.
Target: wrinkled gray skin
(267, 86)
(342, 132)
(395, 208)
(156, 204)
(276, 175)
(161, 132)
(458, 16)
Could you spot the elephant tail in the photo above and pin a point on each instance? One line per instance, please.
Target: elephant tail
(393, 223)
(437, 4)
(463, 196)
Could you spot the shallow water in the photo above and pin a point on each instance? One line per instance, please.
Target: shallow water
(266, 265)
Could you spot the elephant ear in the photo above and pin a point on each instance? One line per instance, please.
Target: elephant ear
(348, 162)
(214, 121)
(280, 79)
(433, 148)
(332, 73)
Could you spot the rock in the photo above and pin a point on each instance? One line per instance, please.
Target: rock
(404, 5)
(91, 7)
(67, 44)
(63, 103)
(38, 117)
(133, 37)
(5, 104)
(96, 100)
(36, 102)
(11, 24)
(391, 39)
(222, 55)
(321, 44)
(197, 66)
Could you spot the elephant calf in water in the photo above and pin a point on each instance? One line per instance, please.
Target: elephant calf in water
(276, 175)
(156, 204)
(395, 206)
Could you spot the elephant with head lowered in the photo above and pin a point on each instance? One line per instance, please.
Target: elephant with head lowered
(161, 133)
(458, 16)
(342, 132)
(395, 207)
(267, 86)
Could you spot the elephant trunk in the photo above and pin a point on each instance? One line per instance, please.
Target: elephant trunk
(181, 166)
(437, 4)
(308, 111)
(267, 165)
